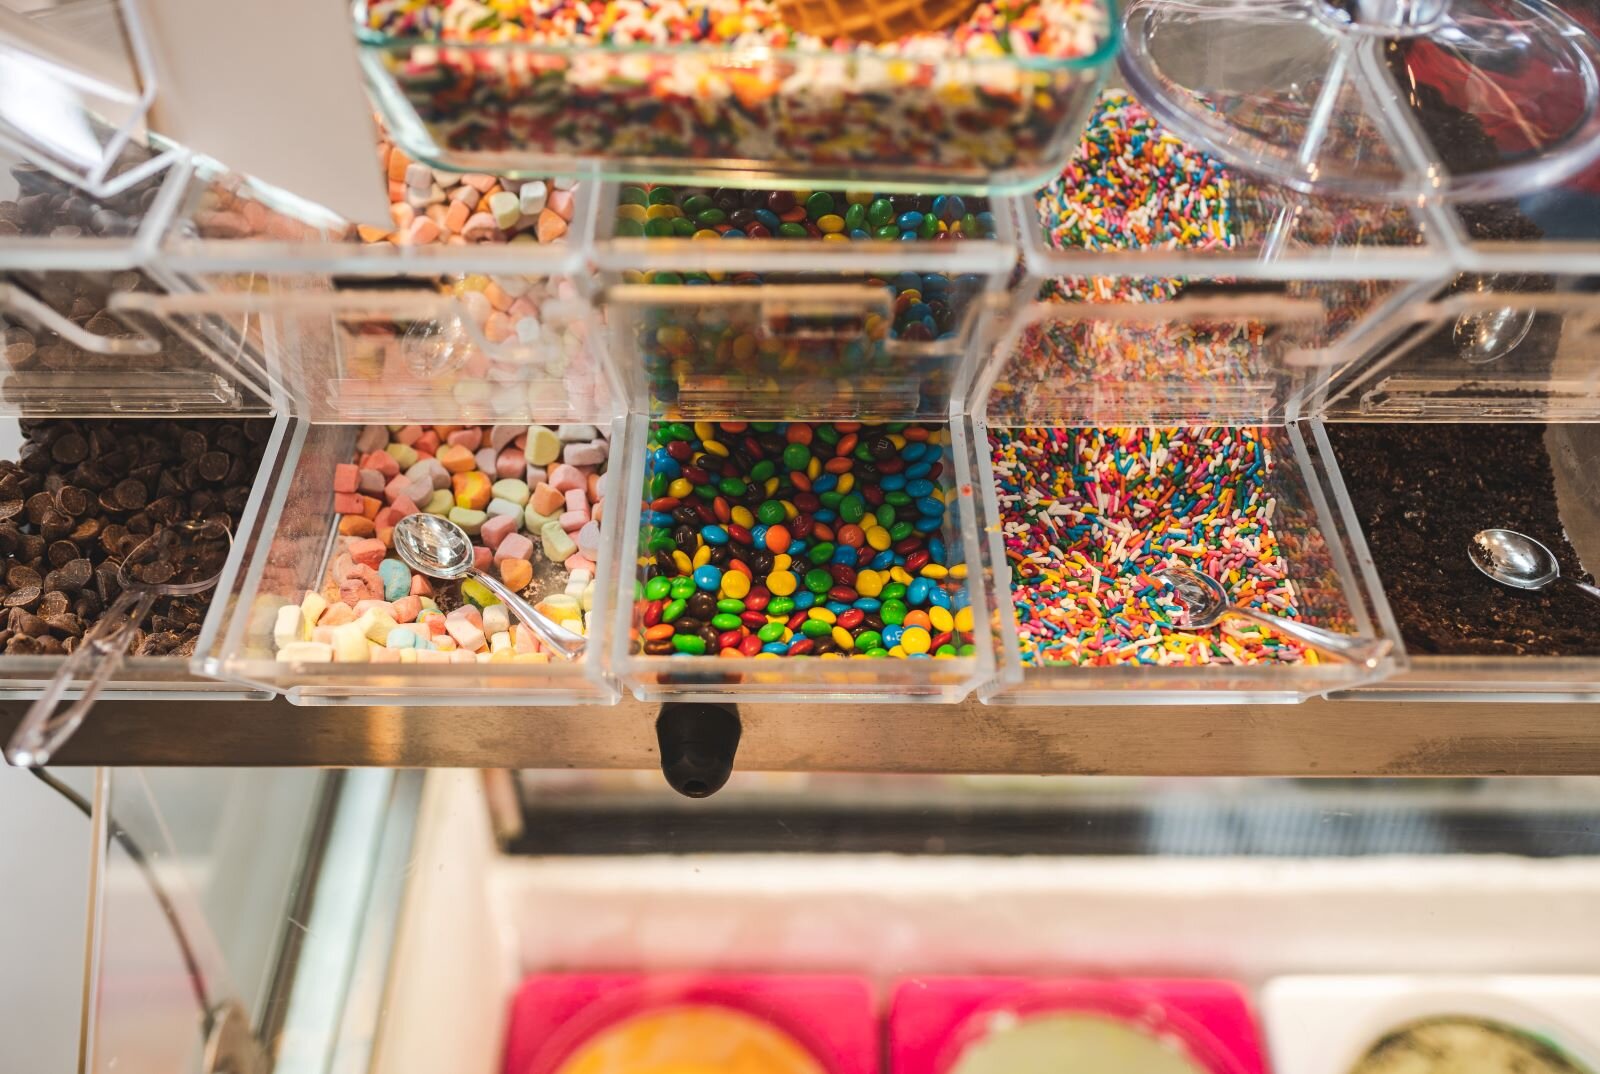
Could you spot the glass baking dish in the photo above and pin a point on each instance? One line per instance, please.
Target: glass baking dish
(162, 676)
(746, 113)
(1232, 370)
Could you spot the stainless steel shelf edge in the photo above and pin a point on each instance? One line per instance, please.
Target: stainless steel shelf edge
(1347, 738)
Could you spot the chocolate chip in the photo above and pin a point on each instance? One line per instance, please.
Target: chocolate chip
(192, 444)
(60, 553)
(24, 597)
(213, 465)
(129, 495)
(38, 505)
(70, 450)
(21, 577)
(73, 500)
(10, 508)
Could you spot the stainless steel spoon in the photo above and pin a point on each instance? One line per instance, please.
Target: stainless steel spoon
(1206, 602)
(178, 561)
(1488, 335)
(439, 548)
(1517, 560)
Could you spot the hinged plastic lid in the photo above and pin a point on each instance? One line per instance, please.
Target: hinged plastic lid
(1426, 99)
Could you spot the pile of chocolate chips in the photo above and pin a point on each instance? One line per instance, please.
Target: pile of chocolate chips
(84, 494)
(47, 207)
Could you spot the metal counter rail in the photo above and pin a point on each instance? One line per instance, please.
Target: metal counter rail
(1346, 738)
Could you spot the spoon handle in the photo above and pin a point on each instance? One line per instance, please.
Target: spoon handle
(561, 641)
(1364, 651)
(1593, 591)
(97, 657)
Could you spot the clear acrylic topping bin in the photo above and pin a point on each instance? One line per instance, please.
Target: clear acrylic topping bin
(970, 118)
(1079, 394)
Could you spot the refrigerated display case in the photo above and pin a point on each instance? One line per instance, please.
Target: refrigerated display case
(550, 920)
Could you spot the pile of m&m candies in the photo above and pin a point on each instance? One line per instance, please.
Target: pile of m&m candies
(765, 539)
(928, 305)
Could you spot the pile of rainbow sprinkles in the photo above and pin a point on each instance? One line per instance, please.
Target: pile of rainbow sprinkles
(1090, 515)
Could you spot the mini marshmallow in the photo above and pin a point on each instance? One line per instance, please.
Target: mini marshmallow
(583, 455)
(497, 527)
(515, 546)
(531, 198)
(306, 652)
(566, 476)
(496, 619)
(286, 628)
(543, 447)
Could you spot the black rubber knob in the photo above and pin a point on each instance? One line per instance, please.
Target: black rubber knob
(697, 743)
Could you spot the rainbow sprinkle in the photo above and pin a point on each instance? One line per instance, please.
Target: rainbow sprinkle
(1088, 515)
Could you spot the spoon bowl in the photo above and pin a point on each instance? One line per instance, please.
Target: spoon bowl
(439, 548)
(1205, 602)
(433, 545)
(1514, 559)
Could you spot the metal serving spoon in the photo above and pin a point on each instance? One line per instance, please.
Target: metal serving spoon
(178, 561)
(1517, 560)
(1488, 335)
(1206, 602)
(439, 548)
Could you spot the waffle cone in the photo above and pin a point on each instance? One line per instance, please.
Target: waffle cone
(873, 20)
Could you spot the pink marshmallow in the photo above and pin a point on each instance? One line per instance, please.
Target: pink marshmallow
(573, 521)
(577, 500)
(564, 477)
(470, 438)
(482, 558)
(509, 463)
(497, 528)
(379, 655)
(468, 612)
(403, 506)
(579, 562)
(468, 635)
(502, 436)
(381, 461)
(487, 459)
(406, 609)
(408, 434)
(420, 586)
(515, 546)
(346, 477)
